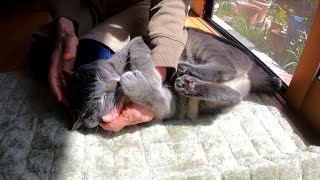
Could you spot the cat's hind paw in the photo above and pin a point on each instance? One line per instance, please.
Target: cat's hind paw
(186, 85)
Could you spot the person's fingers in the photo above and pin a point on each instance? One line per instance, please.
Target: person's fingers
(54, 74)
(70, 48)
(136, 113)
(131, 115)
(122, 116)
(69, 53)
(115, 125)
(122, 120)
(67, 66)
(116, 111)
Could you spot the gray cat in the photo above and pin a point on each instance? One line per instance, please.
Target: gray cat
(212, 73)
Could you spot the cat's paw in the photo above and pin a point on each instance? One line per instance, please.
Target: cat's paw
(186, 85)
(183, 69)
(134, 84)
(133, 80)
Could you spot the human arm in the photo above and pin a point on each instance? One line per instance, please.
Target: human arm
(167, 43)
(166, 31)
(69, 9)
(63, 57)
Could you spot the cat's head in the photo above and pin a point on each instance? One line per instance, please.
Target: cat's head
(92, 91)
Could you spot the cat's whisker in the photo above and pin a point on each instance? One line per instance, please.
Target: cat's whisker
(88, 77)
(97, 129)
(113, 134)
(99, 77)
(84, 111)
(83, 76)
(73, 117)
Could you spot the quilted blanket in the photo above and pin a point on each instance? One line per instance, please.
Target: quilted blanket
(252, 140)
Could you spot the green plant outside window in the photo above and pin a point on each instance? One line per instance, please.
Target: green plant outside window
(281, 34)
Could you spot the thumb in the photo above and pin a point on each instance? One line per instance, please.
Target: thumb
(54, 74)
(115, 113)
(116, 125)
(70, 49)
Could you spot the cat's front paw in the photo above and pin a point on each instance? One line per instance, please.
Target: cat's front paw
(186, 85)
(134, 84)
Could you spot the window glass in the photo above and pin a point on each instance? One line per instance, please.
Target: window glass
(274, 30)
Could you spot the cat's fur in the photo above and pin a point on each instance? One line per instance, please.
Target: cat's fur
(212, 73)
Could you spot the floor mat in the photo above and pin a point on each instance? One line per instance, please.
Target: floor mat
(253, 140)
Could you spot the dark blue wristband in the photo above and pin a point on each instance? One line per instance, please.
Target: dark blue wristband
(91, 50)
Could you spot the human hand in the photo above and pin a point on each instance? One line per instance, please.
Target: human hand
(63, 57)
(162, 71)
(128, 113)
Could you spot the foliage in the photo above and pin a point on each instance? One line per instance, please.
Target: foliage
(226, 9)
(313, 2)
(254, 34)
(293, 53)
(312, 11)
(257, 34)
(279, 16)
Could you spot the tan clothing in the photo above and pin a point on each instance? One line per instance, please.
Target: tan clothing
(115, 22)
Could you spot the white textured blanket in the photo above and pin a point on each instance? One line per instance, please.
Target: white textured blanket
(251, 141)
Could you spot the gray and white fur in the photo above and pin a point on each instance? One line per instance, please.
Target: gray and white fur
(212, 73)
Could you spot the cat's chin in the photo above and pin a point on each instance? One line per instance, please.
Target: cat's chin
(91, 124)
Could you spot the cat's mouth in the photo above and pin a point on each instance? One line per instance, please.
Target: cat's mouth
(89, 119)
(92, 96)
(94, 109)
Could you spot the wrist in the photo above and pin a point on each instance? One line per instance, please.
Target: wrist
(162, 71)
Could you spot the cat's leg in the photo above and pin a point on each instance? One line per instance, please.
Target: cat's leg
(210, 72)
(143, 84)
(220, 94)
(153, 96)
(140, 59)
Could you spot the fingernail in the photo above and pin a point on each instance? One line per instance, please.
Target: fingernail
(68, 57)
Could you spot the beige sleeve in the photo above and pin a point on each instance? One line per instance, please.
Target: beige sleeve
(76, 10)
(62, 8)
(166, 31)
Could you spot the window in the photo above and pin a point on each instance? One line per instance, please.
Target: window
(274, 30)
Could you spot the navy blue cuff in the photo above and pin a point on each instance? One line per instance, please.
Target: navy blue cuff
(91, 50)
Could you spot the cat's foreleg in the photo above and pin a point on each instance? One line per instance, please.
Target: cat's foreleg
(142, 83)
(149, 94)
